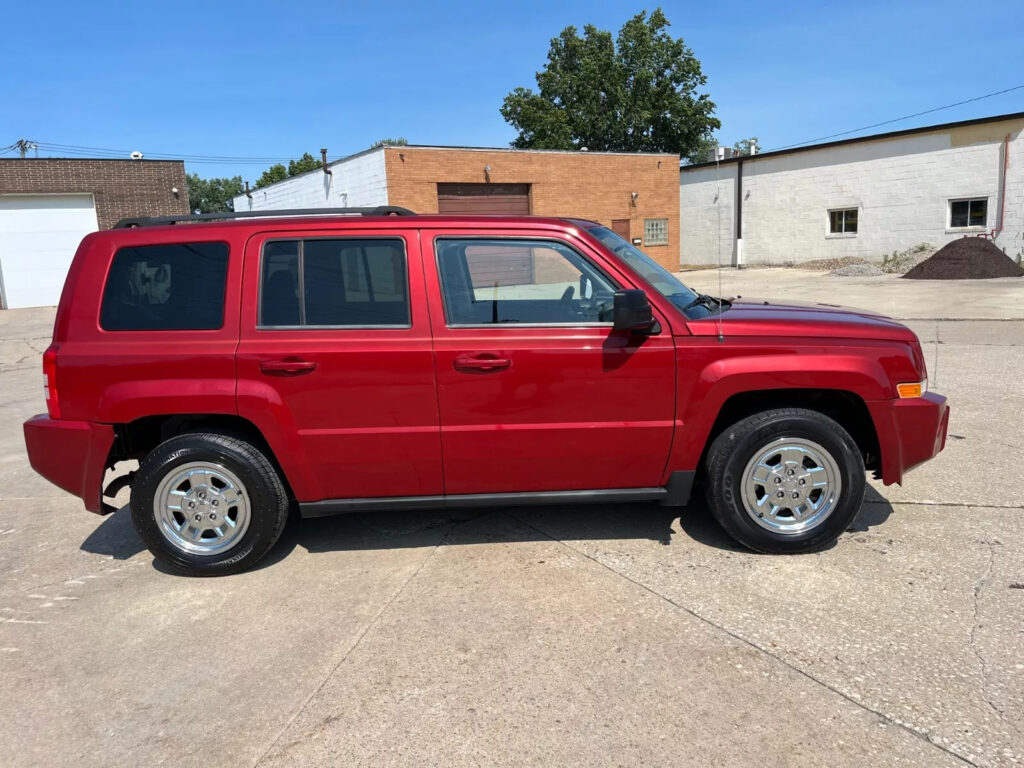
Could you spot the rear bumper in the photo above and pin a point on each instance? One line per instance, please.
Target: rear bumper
(910, 432)
(70, 454)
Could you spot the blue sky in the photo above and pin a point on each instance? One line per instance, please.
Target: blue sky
(270, 79)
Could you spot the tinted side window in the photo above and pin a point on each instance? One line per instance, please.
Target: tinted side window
(334, 283)
(488, 281)
(175, 287)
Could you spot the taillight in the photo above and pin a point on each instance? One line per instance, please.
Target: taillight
(50, 382)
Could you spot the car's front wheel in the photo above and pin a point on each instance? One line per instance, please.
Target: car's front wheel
(786, 480)
(208, 504)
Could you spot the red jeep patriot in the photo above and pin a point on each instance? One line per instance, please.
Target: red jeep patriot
(371, 359)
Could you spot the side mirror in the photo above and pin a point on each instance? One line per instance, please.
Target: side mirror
(631, 311)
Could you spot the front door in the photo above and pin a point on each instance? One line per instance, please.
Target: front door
(335, 365)
(536, 391)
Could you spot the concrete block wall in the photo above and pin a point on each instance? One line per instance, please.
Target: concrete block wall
(901, 187)
(356, 181)
(707, 221)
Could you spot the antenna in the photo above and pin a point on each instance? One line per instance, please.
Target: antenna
(719, 153)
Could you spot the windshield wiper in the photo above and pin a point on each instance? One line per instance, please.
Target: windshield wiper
(710, 302)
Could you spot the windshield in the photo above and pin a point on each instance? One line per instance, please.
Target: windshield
(693, 305)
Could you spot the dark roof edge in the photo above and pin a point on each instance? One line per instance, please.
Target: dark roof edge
(526, 151)
(854, 140)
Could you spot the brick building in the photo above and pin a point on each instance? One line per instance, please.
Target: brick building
(635, 194)
(863, 197)
(48, 204)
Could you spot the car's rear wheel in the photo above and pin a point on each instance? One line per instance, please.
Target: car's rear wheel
(208, 504)
(786, 480)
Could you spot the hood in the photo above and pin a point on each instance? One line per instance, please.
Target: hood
(763, 317)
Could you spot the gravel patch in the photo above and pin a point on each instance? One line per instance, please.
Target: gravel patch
(858, 270)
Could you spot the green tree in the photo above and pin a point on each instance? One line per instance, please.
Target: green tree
(636, 92)
(212, 195)
(399, 142)
(744, 146)
(275, 173)
(305, 163)
(703, 152)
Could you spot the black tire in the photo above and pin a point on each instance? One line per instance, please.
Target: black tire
(740, 443)
(267, 499)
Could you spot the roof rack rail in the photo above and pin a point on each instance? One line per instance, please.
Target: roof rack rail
(154, 221)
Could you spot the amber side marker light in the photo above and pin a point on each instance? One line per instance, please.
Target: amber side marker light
(912, 389)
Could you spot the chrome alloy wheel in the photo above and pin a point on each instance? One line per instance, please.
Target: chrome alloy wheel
(791, 485)
(201, 508)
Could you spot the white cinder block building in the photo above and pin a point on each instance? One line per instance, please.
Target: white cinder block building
(863, 197)
(354, 182)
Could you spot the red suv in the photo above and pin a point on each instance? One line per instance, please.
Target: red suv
(372, 359)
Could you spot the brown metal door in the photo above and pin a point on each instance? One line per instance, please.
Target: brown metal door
(621, 228)
(512, 199)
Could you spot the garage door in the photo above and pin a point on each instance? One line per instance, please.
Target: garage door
(38, 237)
(484, 198)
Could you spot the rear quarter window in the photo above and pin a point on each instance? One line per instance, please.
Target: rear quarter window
(173, 287)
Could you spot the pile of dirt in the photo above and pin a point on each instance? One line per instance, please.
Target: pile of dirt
(967, 258)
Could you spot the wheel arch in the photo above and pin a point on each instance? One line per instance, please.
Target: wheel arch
(134, 440)
(847, 408)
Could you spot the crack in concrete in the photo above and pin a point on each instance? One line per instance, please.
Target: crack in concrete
(972, 635)
(370, 625)
(919, 733)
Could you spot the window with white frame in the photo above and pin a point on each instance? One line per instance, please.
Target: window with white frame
(655, 231)
(968, 213)
(842, 221)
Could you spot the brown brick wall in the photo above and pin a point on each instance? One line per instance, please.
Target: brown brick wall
(121, 188)
(586, 185)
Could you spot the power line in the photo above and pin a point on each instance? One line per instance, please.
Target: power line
(897, 119)
(177, 156)
(84, 151)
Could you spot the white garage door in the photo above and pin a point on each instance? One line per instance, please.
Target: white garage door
(38, 236)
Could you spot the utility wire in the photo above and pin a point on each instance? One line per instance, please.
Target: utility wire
(254, 158)
(83, 151)
(897, 119)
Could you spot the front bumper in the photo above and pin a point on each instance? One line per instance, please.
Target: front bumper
(910, 432)
(70, 454)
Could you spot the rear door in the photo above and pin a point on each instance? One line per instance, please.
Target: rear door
(335, 361)
(536, 391)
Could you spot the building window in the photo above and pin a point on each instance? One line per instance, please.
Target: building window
(968, 213)
(842, 221)
(655, 231)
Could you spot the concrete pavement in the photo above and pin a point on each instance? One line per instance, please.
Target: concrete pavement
(615, 635)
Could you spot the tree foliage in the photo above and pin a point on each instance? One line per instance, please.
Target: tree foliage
(212, 195)
(278, 171)
(305, 163)
(399, 142)
(637, 92)
(275, 173)
(745, 146)
(703, 152)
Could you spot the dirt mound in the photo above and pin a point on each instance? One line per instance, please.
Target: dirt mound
(966, 258)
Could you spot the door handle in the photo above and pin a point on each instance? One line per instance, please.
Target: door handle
(287, 367)
(482, 363)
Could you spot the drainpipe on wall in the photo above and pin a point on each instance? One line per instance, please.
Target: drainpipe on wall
(738, 253)
(1004, 166)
